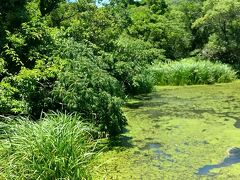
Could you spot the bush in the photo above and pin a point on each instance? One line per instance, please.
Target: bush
(58, 147)
(69, 81)
(10, 103)
(86, 89)
(132, 58)
(190, 71)
(142, 82)
(34, 87)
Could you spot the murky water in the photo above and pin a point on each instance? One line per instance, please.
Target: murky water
(232, 158)
(178, 133)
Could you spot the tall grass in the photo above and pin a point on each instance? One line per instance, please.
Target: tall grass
(58, 147)
(190, 71)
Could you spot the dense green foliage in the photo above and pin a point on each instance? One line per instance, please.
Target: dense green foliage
(59, 146)
(76, 57)
(221, 21)
(84, 87)
(192, 71)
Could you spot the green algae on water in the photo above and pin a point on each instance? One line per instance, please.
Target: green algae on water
(174, 132)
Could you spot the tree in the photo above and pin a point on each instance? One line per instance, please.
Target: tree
(46, 6)
(192, 10)
(221, 20)
(157, 6)
(166, 31)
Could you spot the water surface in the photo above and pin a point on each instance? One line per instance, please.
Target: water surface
(187, 132)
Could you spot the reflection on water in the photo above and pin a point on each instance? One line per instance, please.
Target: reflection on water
(155, 147)
(232, 158)
(151, 146)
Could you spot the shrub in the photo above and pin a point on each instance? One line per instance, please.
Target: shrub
(10, 103)
(131, 59)
(69, 81)
(58, 147)
(142, 82)
(35, 87)
(86, 89)
(190, 71)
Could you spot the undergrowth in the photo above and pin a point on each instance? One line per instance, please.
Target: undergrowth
(58, 147)
(191, 71)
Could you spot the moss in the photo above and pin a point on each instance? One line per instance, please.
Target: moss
(176, 131)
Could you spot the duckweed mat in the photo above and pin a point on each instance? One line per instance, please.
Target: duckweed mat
(186, 132)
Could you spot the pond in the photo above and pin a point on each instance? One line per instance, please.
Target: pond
(186, 132)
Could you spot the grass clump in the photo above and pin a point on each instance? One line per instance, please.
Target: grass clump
(191, 71)
(58, 147)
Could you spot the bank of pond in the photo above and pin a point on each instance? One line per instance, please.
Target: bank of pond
(183, 132)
